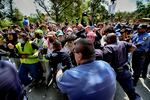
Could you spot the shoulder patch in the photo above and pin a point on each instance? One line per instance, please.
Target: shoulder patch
(145, 38)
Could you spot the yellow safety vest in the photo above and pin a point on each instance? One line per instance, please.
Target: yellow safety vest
(29, 51)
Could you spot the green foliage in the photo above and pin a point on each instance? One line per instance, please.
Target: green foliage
(61, 9)
(33, 18)
(17, 15)
(74, 11)
(123, 16)
(143, 11)
(5, 23)
(13, 15)
(97, 11)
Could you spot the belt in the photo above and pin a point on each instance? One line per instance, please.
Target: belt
(122, 68)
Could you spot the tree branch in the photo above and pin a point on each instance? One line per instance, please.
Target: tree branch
(42, 4)
(65, 8)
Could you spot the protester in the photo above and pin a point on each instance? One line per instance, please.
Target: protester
(10, 87)
(39, 39)
(27, 51)
(35, 39)
(3, 47)
(48, 43)
(79, 82)
(106, 31)
(25, 22)
(57, 57)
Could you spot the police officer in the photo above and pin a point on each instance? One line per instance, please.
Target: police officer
(142, 42)
(91, 79)
(116, 53)
(147, 59)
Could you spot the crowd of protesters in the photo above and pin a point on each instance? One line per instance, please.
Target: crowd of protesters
(39, 48)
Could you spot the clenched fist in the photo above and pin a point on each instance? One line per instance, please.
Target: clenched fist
(10, 46)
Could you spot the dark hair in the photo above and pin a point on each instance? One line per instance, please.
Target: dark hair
(85, 47)
(57, 45)
(111, 38)
(71, 38)
(109, 30)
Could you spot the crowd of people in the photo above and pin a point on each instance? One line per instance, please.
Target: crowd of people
(84, 61)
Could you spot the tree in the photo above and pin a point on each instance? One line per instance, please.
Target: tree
(59, 9)
(142, 10)
(140, 6)
(6, 8)
(17, 17)
(98, 11)
(123, 16)
(72, 12)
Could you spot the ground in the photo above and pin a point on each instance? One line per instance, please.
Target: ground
(42, 93)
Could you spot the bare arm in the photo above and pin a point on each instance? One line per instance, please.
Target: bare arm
(132, 48)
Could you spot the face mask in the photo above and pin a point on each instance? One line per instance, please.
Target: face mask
(69, 33)
(38, 36)
(21, 41)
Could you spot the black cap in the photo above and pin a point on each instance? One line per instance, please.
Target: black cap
(142, 26)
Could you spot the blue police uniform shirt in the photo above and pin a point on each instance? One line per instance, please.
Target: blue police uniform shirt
(143, 40)
(118, 32)
(93, 80)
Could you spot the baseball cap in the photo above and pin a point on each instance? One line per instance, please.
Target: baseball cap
(142, 26)
(59, 33)
(38, 31)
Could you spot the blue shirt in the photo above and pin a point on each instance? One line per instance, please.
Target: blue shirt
(143, 40)
(25, 22)
(93, 80)
(10, 86)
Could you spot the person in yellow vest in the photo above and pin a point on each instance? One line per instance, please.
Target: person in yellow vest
(39, 39)
(30, 64)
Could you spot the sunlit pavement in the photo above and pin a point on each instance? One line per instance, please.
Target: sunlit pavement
(143, 89)
(42, 93)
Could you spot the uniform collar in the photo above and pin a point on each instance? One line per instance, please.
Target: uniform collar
(89, 61)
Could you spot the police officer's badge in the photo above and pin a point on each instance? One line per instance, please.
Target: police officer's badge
(145, 38)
